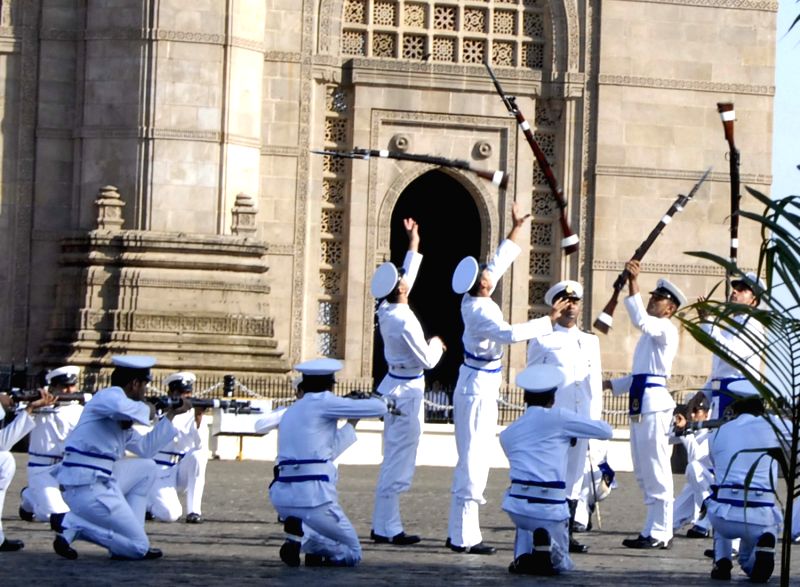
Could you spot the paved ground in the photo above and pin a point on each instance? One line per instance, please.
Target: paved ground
(238, 544)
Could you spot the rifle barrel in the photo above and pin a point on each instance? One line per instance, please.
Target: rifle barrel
(605, 320)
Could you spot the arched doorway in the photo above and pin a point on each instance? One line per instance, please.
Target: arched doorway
(450, 229)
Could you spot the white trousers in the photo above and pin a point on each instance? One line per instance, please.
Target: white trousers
(690, 500)
(650, 450)
(475, 419)
(8, 467)
(110, 512)
(42, 495)
(725, 532)
(187, 477)
(327, 532)
(401, 436)
(559, 539)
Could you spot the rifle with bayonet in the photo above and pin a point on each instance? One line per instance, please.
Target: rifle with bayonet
(227, 405)
(498, 178)
(570, 241)
(605, 319)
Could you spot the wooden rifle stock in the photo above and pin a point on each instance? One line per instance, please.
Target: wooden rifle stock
(499, 178)
(570, 241)
(728, 116)
(605, 319)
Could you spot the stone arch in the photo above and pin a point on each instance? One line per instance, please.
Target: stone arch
(476, 188)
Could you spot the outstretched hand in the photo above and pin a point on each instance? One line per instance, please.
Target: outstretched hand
(517, 216)
(412, 230)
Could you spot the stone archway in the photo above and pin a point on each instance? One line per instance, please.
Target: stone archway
(450, 229)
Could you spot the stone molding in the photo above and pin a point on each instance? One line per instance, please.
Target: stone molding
(684, 84)
(283, 57)
(148, 34)
(687, 174)
(760, 5)
(144, 132)
(280, 151)
(240, 325)
(663, 268)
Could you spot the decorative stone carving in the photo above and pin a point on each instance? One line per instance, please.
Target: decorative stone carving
(244, 215)
(401, 142)
(109, 209)
(482, 150)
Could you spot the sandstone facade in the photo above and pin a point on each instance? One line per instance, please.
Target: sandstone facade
(240, 250)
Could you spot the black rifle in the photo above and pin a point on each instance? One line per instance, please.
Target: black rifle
(499, 178)
(570, 241)
(728, 116)
(227, 405)
(604, 321)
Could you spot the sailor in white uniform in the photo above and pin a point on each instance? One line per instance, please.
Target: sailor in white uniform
(650, 404)
(576, 354)
(699, 476)
(743, 504)
(478, 387)
(408, 354)
(106, 494)
(10, 434)
(304, 488)
(738, 345)
(536, 446)
(182, 462)
(52, 424)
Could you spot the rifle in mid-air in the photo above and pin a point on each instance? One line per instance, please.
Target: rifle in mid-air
(499, 178)
(570, 241)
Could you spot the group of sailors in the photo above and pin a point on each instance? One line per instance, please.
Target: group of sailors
(78, 477)
(80, 482)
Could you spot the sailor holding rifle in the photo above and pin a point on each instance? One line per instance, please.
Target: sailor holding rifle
(183, 461)
(52, 425)
(106, 493)
(650, 404)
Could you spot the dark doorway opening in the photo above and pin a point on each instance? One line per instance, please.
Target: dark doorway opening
(450, 229)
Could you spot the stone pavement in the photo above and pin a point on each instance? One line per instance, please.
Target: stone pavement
(238, 544)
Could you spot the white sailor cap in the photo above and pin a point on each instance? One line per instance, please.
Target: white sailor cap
(667, 289)
(540, 378)
(67, 375)
(567, 288)
(464, 276)
(742, 388)
(135, 362)
(384, 280)
(319, 367)
(183, 380)
(748, 280)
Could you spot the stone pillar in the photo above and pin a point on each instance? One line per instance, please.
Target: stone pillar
(109, 209)
(244, 216)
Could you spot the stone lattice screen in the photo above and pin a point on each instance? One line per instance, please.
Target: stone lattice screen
(333, 223)
(510, 33)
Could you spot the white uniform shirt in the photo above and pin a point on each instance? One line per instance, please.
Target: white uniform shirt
(536, 445)
(485, 329)
(654, 353)
(737, 345)
(186, 439)
(308, 431)
(99, 433)
(406, 351)
(52, 426)
(698, 447)
(577, 355)
(733, 467)
(14, 431)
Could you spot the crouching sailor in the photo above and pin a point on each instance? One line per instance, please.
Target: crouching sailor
(304, 490)
(106, 494)
(742, 504)
(536, 446)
